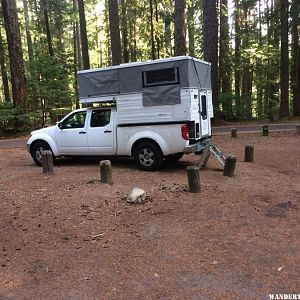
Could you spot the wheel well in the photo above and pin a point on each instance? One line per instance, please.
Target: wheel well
(38, 141)
(136, 143)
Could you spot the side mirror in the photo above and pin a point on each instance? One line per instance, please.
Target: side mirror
(60, 125)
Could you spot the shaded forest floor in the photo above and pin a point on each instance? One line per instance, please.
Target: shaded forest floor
(68, 236)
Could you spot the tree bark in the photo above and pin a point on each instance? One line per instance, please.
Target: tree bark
(125, 32)
(47, 28)
(153, 51)
(224, 61)
(114, 32)
(18, 80)
(284, 60)
(4, 76)
(295, 72)
(191, 28)
(210, 38)
(237, 60)
(28, 34)
(180, 27)
(83, 35)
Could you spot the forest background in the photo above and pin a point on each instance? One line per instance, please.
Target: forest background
(253, 46)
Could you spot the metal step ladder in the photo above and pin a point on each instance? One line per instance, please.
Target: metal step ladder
(209, 149)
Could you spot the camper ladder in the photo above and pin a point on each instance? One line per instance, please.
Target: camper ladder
(212, 149)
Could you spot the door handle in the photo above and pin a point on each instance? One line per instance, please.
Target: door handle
(82, 132)
(107, 131)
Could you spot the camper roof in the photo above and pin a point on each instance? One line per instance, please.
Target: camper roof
(142, 63)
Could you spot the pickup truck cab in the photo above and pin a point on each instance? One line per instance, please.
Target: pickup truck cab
(94, 132)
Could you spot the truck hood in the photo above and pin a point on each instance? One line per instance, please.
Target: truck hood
(47, 130)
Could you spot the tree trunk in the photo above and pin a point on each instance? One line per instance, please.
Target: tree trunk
(191, 28)
(210, 42)
(153, 51)
(47, 28)
(125, 32)
(28, 34)
(284, 60)
(17, 69)
(224, 63)
(114, 32)
(180, 27)
(4, 76)
(83, 35)
(297, 93)
(246, 95)
(237, 60)
(167, 34)
(295, 14)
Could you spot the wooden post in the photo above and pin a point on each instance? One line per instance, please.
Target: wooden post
(297, 129)
(105, 171)
(233, 132)
(194, 185)
(229, 166)
(249, 151)
(265, 130)
(47, 162)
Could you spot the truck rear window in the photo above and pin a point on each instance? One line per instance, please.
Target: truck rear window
(160, 77)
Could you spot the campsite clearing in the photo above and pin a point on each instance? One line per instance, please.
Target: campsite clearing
(68, 236)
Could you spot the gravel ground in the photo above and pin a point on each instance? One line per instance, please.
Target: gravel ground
(68, 236)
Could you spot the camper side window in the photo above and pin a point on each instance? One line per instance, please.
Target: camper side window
(160, 77)
(204, 107)
(100, 118)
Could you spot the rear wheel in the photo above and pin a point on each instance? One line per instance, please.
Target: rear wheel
(148, 156)
(36, 152)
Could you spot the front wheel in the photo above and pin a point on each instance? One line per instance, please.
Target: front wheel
(36, 152)
(148, 156)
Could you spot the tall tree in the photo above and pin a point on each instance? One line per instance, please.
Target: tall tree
(28, 33)
(114, 32)
(224, 61)
(180, 27)
(295, 65)
(152, 31)
(237, 59)
(83, 35)
(17, 70)
(125, 37)
(47, 28)
(191, 27)
(284, 59)
(210, 44)
(4, 70)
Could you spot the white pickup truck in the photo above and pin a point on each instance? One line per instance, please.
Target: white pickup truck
(152, 111)
(93, 132)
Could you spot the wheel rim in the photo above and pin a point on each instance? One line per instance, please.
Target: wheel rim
(146, 157)
(38, 153)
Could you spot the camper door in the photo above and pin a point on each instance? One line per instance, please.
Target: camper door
(204, 113)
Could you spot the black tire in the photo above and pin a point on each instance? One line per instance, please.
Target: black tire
(173, 157)
(36, 152)
(148, 156)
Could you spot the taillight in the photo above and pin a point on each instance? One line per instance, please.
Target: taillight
(185, 132)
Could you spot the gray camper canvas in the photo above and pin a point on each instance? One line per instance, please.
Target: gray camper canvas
(176, 89)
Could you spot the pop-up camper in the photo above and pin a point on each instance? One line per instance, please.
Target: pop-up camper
(163, 91)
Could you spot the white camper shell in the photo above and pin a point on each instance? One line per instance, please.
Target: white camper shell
(164, 91)
(153, 111)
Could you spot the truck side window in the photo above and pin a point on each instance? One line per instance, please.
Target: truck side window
(76, 120)
(100, 118)
(204, 107)
(160, 77)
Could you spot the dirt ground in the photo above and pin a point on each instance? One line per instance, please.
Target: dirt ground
(68, 236)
